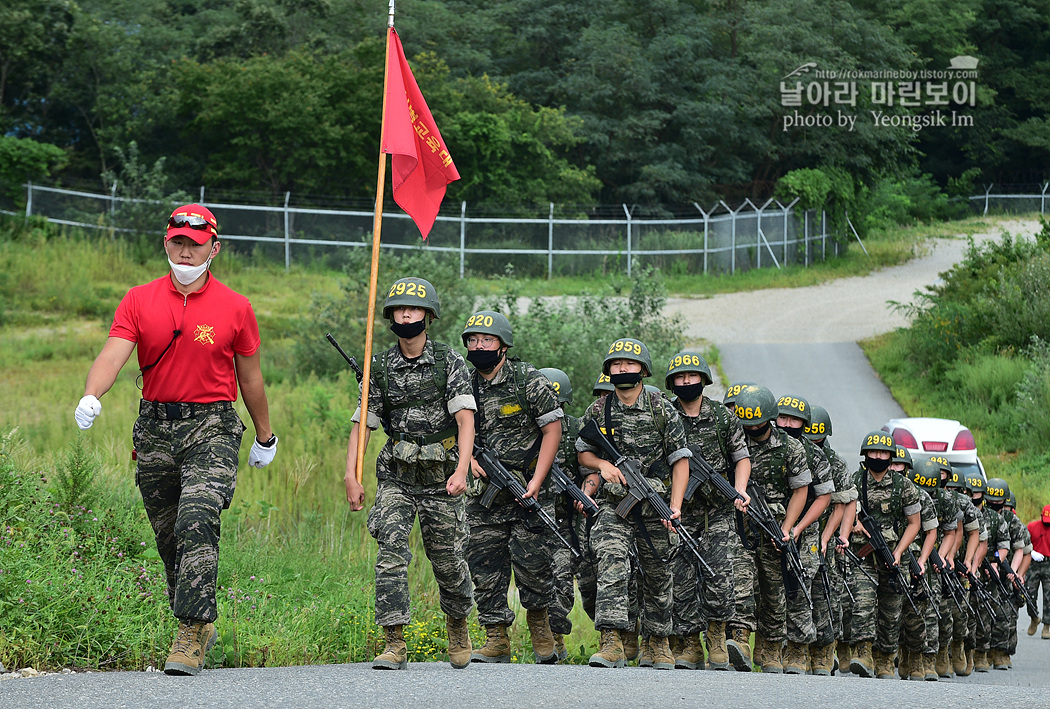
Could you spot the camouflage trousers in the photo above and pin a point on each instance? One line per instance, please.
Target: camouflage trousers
(827, 625)
(917, 632)
(771, 602)
(963, 621)
(613, 539)
(573, 526)
(801, 616)
(1038, 576)
(743, 561)
(703, 598)
(876, 613)
(507, 538)
(444, 533)
(187, 472)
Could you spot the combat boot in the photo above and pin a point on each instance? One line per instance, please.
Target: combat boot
(999, 660)
(843, 656)
(676, 643)
(717, 653)
(542, 639)
(980, 661)
(739, 648)
(822, 659)
(645, 652)
(459, 647)
(959, 658)
(496, 647)
(691, 655)
(1046, 632)
(883, 664)
(904, 663)
(630, 642)
(796, 659)
(1033, 626)
(969, 661)
(191, 646)
(916, 666)
(770, 662)
(395, 654)
(943, 663)
(661, 649)
(559, 647)
(611, 652)
(929, 667)
(862, 663)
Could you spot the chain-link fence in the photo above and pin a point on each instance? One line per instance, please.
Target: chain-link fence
(719, 239)
(1012, 199)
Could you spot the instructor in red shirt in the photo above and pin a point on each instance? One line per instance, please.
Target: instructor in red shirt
(197, 342)
(1039, 572)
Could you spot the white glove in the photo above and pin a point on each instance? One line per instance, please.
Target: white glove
(88, 408)
(260, 456)
(1036, 556)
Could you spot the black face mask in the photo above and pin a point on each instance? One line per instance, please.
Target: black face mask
(794, 432)
(689, 392)
(997, 506)
(484, 360)
(627, 380)
(876, 465)
(757, 432)
(408, 330)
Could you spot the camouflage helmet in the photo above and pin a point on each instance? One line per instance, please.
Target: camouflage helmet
(901, 455)
(734, 390)
(819, 425)
(412, 292)
(878, 441)
(755, 405)
(630, 349)
(687, 361)
(976, 482)
(560, 381)
(1011, 501)
(926, 473)
(996, 490)
(603, 383)
(489, 322)
(795, 406)
(955, 481)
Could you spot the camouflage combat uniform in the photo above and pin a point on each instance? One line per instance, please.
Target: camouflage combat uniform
(506, 537)
(939, 631)
(778, 468)
(963, 620)
(917, 635)
(718, 437)
(991, 632)
(876, 612)
(187, 472)
(651, 432)
(419, 455)
(829, 629)
(574, 527)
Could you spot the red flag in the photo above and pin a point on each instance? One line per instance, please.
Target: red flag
(422, 166)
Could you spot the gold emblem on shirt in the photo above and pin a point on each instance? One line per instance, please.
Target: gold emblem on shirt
(205, 334)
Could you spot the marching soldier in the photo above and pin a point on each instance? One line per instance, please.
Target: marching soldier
(419, 391)
(1005, 564)
(519, 419)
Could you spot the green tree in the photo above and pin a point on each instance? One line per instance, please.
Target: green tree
(34, 39)
(23, 159)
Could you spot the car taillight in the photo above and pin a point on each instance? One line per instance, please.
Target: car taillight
(934, 446)
(964, 441)
(904, 438)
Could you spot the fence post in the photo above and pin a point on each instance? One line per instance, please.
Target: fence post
(550, 243)
(628, 213)
(287, 233)
(29, 199)
(113, 198)
(462, 235)
(1042, 199)
(988, 188)
(201, 202)
(705, 234)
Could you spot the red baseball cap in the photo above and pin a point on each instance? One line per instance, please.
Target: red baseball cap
(194, 221)
(1046, 513)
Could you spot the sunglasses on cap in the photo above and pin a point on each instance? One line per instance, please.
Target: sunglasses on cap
(181, 221)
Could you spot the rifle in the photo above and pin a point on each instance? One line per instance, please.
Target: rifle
(1021, 590)
(349, 360)
(999, 580)
(983, 596)
(762, 519)
(700, 472)
(822, 569)
(854, 559)
(500, 478)
(564, 486)
(924, 586)
(882, 551)
(638, 489)
(950, 581)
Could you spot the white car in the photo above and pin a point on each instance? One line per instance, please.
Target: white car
(924, 437)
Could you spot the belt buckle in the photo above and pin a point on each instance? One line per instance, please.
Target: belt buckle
(448, 443)
(172, 412)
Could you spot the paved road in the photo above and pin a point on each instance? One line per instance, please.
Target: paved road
(436, 686)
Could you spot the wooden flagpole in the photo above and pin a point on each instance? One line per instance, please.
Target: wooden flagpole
(377, 228)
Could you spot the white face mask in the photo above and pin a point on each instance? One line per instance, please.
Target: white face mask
(188, 274)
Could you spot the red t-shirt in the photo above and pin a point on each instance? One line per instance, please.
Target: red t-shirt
(1040, 536)
(215, 323)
